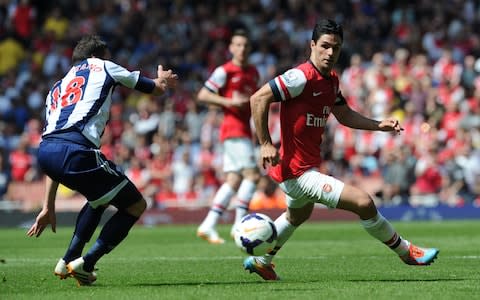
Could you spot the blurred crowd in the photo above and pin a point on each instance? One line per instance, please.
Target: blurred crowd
(417, 60)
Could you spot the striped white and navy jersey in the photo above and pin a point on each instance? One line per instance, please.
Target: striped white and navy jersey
(81, 100)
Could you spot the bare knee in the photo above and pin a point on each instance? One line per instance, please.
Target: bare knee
(358, 202)
(234, 179)
(366, 208)
(137, 208)
(252, 174)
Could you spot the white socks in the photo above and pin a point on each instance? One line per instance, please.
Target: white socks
(284, 232)
(381, 229)
(378, 227)
(222, 199)
(244, 196)
(220, 203)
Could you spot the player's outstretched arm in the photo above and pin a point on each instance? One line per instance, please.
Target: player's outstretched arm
(209, 97)
(47, 214)
(390, 124)
(165, 80)
(350, 118)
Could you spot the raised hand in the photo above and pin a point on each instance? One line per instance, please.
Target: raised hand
(166, 79)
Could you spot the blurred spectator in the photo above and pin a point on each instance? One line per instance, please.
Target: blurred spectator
(183, 174)
(450, 120)
(166, 196)
(22, 163)
(146, 120)
(428, 183)
(207, 170)
(128, 137)
(168, 118)
(23, 16)
(469, 72)
(418, 63)
(11, 54)
(56, 61)
(445, 69)
(265, 61)
(160, 168)
(138, 174)
(352, 80)
(194, 120)
(472, 174)
(33, 131)
(456, 192)
(107, 147)
(142, 148)
(57, 23)
(397, 171)
(4, 175)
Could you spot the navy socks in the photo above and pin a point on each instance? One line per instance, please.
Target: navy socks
(87, 221)
(113, 232)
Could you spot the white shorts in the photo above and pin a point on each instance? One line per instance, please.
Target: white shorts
(312, 186)
(238, 154)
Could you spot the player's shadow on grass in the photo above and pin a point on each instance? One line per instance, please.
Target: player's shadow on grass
(408, 280)
(236, 283)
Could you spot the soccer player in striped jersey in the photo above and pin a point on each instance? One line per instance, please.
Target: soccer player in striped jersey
(77, 110)
(308, 94)
(230, 87)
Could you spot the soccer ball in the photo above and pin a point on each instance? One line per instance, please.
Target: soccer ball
(255, 234)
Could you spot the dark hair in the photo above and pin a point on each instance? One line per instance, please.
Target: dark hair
(326, 26)
(241, 32)
(88, 46)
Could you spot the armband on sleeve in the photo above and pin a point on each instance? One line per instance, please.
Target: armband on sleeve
(288, 85)
(276, 94)
(145, 85)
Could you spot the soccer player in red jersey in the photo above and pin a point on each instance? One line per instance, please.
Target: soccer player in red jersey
(309, 93)
(230, 86)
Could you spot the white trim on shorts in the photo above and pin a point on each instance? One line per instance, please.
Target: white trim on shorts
(238, 154)
(108, 196)
(314, 187)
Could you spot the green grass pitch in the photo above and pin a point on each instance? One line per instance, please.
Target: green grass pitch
(321, 261)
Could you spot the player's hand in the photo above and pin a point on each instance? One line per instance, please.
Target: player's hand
(269, 155)
(167, 79)
(238, 100)
(44, 218)
(390, 124)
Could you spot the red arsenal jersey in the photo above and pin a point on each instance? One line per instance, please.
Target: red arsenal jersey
(306, 100)
(226, 80)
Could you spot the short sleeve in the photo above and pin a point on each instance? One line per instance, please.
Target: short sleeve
(217, 80)
(288, 85)
(122, 75)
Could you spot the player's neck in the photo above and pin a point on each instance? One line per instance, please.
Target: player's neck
(240, 63)
(323, 72)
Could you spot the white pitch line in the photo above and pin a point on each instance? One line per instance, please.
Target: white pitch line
(209, 258)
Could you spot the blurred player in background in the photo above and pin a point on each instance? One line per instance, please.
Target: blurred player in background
(308, 94)
(77, 110)
(230, 86)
